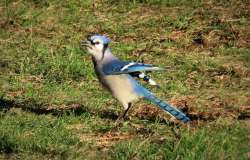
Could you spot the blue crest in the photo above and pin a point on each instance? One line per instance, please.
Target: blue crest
(101, 38)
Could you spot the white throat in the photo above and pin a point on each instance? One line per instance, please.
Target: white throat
(104, 57)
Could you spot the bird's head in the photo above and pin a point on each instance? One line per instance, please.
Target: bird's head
(96, 45)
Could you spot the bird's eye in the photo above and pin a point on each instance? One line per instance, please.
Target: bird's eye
(97, 42)
(92, 42)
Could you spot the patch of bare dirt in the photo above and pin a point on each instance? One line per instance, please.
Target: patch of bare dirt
(15, 93)
(102, 140)
(226, 71)
(147, 112)
(177, 36)
(214, 107)
(244, 112)
(109, 114)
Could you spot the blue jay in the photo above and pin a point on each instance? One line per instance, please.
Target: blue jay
(118, 76)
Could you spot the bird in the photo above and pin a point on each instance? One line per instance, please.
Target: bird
(120, 77)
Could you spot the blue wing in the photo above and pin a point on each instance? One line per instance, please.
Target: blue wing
(121, 67)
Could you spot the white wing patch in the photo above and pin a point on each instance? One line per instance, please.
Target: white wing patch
(149, 80)
(127, 66)
(142, 75)
(152, 82)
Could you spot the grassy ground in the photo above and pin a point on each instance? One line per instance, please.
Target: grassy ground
(52, 106)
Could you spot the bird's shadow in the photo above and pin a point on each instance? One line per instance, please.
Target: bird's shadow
(31, 106)
(108, 114)
(79, 109)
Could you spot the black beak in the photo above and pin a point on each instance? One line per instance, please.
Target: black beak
(89, 38)
(86, 42)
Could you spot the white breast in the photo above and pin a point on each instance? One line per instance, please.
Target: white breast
(121, 88)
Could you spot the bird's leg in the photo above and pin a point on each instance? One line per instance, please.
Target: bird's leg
(122, 116)
(126, 111)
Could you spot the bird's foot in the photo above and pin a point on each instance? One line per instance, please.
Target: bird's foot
(118, 124)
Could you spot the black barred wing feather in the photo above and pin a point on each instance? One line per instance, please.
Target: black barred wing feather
(120, 67)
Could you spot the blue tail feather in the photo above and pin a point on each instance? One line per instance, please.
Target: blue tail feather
(167, 107)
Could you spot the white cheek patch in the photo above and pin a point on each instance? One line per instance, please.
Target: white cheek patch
(99, 46)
